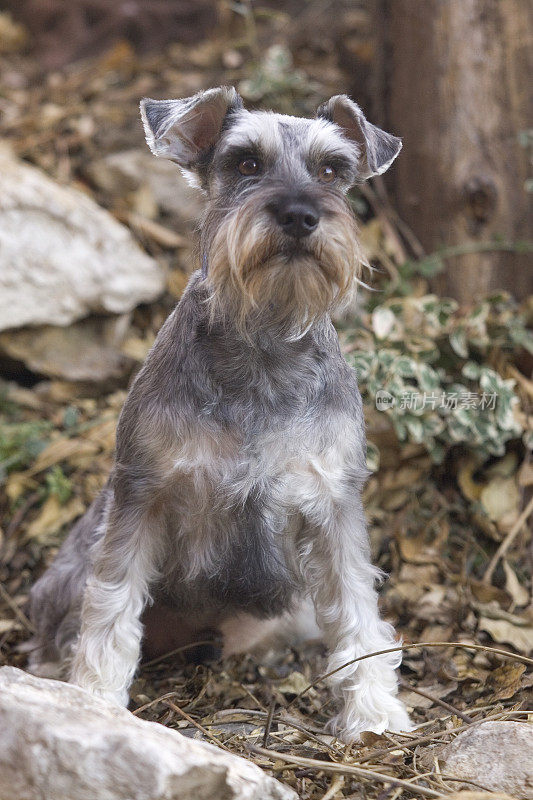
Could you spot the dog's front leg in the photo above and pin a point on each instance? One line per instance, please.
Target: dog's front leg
(335, 564)
(107, 651)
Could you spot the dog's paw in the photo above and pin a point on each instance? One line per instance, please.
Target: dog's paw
(121, 698)
(350, 723)
(398, 720)
(116, 698)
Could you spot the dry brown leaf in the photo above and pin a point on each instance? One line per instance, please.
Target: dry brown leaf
(503, 631)
(371, 238)
(525, 474)
(17, 483)
(143, 202)
(24, 397)
(506, 681)
(103, 434)
(413, 700)
(503, 468)
(487, 526)
(466, 670)
(176, 282)
(62, 450)
(294, 683)
(8, 625)
(500, 497)
(508, 520)
(59, 391)
(53, 516)
(407, 475)
(486, 593)
(136, 348)
(436, 633)
(469, 487)
(518, 592)
(424, 547)
(13, 35)
(426, 575)
(87, 350)
(394, 500)
(406, 591)
(369, 738)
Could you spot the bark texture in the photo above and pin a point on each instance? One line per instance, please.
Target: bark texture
(455, 83)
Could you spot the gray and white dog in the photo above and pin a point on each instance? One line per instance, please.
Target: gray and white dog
(235, 497)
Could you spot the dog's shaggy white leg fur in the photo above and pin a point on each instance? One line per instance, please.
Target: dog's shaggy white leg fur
(108, 648)
(335, 560)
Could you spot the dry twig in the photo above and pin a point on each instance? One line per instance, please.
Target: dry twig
(346, 769)
(436, 700)
(495, 650)
(193, 722)
(507, 542)
(20, 615)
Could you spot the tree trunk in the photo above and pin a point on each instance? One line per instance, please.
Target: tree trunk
(455, 83)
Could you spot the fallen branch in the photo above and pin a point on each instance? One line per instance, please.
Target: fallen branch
(345, 769)
(507, 542)
(436, 700)
(495, 650)
(20, 615)
(193, 722)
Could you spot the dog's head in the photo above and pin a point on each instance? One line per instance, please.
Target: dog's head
(279, 236)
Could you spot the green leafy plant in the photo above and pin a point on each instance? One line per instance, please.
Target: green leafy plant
(20, 443)
(58, 484)
(432, 368)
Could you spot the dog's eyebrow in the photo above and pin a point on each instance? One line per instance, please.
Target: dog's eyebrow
(336, 157)
(324, 141)
(254, 131)
(244, 148)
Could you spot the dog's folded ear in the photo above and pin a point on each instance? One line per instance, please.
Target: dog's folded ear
(378, 149)
(183, 130)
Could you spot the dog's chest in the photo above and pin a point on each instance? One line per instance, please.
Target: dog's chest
(226, 469)
(260, 438)
(235, 515)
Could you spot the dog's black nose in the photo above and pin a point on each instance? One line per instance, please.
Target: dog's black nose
(297, 218)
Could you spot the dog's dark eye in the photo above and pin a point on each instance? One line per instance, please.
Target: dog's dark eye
(326, 174)
(249, 166)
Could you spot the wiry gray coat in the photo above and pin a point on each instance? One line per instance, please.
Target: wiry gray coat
(236, 490)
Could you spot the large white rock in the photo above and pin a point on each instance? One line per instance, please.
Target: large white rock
(61, 255)
(57, 741)
(496, 755)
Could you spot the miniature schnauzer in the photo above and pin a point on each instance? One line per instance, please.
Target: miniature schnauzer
(235, 497)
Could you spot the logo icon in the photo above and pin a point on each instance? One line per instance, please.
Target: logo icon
(384, 400)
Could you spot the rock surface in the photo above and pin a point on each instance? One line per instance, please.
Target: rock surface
(121, 174)
(495, 755)
(87, 350)
(62, 256)
(59, 742)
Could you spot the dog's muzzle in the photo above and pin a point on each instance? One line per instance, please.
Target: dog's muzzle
(296, 217)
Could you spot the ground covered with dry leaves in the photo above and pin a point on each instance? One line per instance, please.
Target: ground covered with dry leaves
(448, 521)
